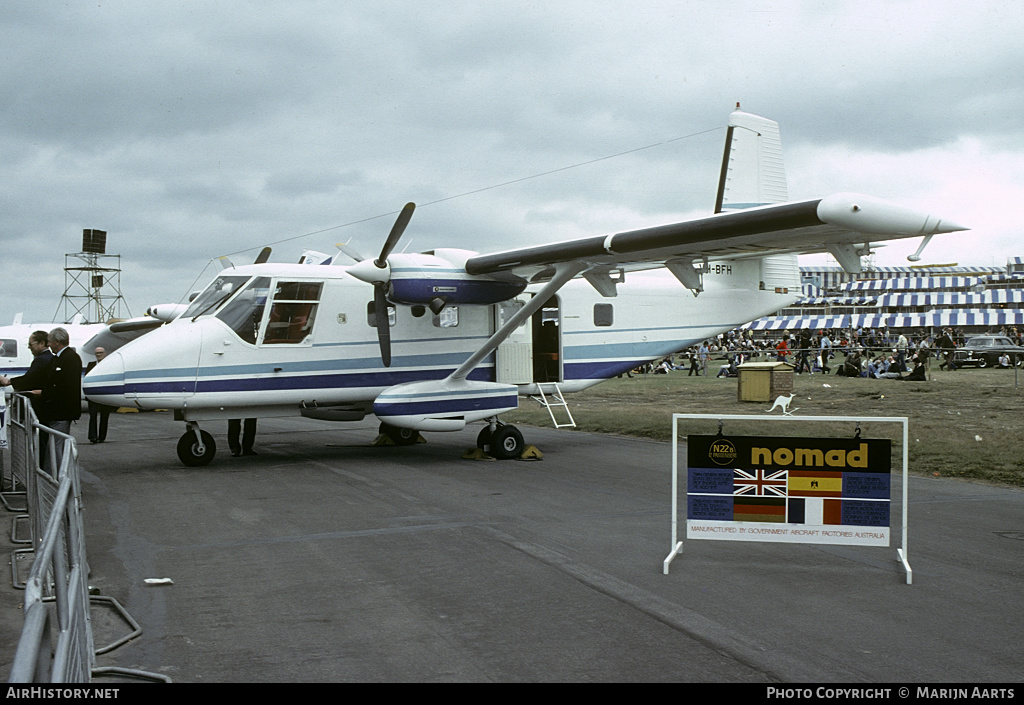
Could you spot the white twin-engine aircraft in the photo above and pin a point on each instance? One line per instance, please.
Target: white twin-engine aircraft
(450, 337)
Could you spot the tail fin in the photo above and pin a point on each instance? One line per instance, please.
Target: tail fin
(752, 171)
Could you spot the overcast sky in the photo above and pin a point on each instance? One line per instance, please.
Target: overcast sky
(191, 130)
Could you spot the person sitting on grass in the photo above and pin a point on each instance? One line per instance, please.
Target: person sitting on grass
(728, 370)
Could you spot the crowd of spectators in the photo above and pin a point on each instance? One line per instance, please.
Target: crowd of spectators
(861, 352)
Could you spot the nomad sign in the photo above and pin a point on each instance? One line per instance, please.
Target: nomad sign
(797, 490)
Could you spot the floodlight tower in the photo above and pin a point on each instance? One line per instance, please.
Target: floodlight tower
(92, 281)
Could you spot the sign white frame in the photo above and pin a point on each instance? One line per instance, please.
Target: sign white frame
(677, 545)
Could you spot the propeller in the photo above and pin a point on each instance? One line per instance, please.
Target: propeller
(395, 235)
(378, 273)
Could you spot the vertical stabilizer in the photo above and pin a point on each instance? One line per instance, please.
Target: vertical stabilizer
(752, 171)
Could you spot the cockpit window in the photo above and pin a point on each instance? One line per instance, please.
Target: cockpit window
(293, 312)
(245, 312)
(219, 291)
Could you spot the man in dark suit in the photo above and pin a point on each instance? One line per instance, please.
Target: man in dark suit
(32, 380)
(98, 413)
(62, 392)
(41, 356)
(38, 344)
(248, 437)
(58, 386)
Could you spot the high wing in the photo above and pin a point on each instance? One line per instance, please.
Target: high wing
(839, 223)
(752, 220)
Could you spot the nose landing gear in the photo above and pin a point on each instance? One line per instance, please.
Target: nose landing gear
(196, 447)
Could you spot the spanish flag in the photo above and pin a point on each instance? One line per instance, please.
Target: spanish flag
(815, 483)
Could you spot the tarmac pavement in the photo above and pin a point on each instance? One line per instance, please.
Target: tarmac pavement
(325, 559)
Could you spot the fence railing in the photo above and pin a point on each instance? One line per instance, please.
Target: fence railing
(56, 644)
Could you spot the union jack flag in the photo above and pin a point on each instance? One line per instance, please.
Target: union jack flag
(762, 483)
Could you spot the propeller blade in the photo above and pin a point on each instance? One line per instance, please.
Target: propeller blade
(396, 233)
(349, 252)
(263, 256)
(380, 309)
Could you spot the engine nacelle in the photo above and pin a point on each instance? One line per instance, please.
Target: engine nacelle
(425, 277)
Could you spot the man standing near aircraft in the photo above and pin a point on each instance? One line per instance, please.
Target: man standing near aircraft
(98, 413)
(41, 356)
(248, 437)
(38, 344)
(30, 381)
(58, 385)
(62, 389)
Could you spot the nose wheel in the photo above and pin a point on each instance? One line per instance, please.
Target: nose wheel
(196, 447)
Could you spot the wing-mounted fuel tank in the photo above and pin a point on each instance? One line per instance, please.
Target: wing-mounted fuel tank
(423, 278)
(443, 405)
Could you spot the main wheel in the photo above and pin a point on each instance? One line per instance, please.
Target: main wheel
(401, 436)
(191, 453)
(506, 443)
(483, 439)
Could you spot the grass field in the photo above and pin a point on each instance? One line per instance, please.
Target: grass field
(968, 423)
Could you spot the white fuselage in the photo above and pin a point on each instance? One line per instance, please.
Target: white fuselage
(284, 337)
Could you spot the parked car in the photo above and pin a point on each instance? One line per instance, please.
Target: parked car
(985, 351)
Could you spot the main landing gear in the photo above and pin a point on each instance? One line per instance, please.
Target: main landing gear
(196, 447)
(400, 436)
(501, 441)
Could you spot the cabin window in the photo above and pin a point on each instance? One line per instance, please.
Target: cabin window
(219, 291)
(293, 313)
(245, 312)
(8, 347)
(603, 314)
(371, 315)
(507, 309)
(448, 318)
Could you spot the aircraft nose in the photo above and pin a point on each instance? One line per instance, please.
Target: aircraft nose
(105, 382)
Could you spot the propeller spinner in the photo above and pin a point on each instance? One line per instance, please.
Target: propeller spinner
(378, 273)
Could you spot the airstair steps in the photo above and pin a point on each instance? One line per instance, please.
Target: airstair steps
(552, 400)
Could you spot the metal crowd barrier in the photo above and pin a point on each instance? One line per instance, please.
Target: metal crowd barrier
(59, 569)
(56, 644)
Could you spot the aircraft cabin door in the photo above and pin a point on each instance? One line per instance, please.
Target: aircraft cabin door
(512, 359)
(547, 342)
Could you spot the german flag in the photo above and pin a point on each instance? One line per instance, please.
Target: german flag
(754, 508)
